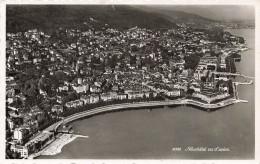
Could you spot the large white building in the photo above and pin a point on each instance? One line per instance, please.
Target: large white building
(74, 104)
(174, 92)
(22, 150)
(19, 134)
(211, 98)
(57, 108)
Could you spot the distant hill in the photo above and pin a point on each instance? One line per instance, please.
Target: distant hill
(178, 16)
(49, 17)
(213, 12)
(184, 15)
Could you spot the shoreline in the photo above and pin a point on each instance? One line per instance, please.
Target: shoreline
(126, 106)
(58, 143)
(56, 146)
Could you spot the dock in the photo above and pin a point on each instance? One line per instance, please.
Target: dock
(81, 136)
(241, 101)
(244, 83)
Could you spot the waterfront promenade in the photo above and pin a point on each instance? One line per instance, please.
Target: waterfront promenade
(135, 105)
(54, 127)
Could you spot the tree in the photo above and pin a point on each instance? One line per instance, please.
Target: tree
(72, 96)
(44, 84)
(112, 61)
(219, 83)
(190, 91)
(16, 155)
(17, 103)
(31, 91)
(64, 100)
(47, 108)
(230, 87)
(61, 76)
(134, 48)
(144, 96)
(151, 95)
(192, 61)
(203, 78)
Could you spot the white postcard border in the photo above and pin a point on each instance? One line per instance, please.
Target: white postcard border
(256, 3)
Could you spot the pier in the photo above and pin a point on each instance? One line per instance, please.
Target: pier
(231, 74)
(244, 83)
(242, 101)
(81, 136)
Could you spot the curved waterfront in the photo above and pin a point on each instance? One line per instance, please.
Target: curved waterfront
(150, 104)
(115, 135)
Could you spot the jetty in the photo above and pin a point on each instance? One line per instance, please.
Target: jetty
(244, 83)
(231, 74)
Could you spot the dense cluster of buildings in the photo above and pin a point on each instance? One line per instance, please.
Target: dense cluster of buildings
(49, 74)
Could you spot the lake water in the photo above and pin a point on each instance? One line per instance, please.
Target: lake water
(145, 134)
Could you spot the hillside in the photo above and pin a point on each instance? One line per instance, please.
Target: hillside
(184, 15)
(193, 20)
(47, 17)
